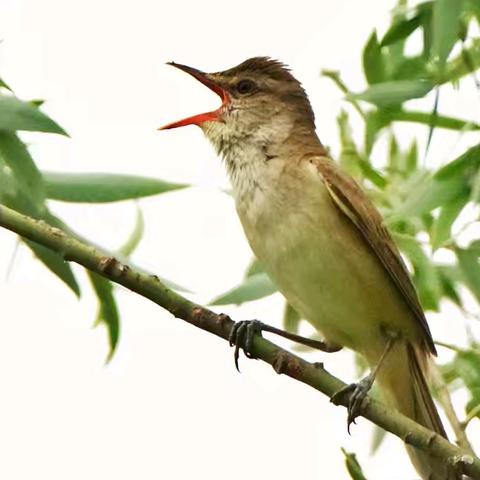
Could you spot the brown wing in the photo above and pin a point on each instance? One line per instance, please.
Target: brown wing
(355, 204)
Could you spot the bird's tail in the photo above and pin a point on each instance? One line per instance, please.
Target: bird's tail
(403, 383)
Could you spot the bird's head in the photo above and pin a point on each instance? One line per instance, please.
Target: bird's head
(260, 99)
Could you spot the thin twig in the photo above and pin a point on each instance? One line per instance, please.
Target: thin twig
(446, 402)
(473, 413)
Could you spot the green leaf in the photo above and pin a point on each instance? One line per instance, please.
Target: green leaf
(427, 194)
(450, 277)
(465, 165)
(442, 226)
(425, 277)
(21, 188)
(470, 268)
(401, 29)
(466, 365)
(474, 7)
(4, 85)
(447, 184)
(441, 121)
(427, 28)
(135, 237)
(411, 158)
(466, 62)
(445, 29)
(353, 467)
(373, 62)
(291, 319)
(103, 187)
(393, 93)
(16, 156)
(254, 287)
(378, 436)
(374, 123)
(254, 268)
(475, 193)
(18, 115)
(393, 154)
(56, 264)
(410, 68)
(107, 309)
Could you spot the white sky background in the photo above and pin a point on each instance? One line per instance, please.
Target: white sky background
(170, 404)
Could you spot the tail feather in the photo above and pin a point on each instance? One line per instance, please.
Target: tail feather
(404, 384)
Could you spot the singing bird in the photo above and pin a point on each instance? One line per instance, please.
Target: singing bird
(320, 238)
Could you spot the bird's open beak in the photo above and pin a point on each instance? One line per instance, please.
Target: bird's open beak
(208, 82)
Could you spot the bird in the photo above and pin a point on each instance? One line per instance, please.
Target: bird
(320, 238)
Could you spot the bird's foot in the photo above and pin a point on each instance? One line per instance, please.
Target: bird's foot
(242, 335)
(356, 393)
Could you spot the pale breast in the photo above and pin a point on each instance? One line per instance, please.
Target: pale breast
(318, 259)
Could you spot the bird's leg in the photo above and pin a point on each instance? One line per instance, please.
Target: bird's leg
(357, 392)
(243, 333)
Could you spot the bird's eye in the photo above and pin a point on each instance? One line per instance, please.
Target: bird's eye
(245, 86)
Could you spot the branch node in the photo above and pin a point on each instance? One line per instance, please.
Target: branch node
(223, 319)
(407, 438)
(57, 232)
(111, 267)
(284, 363)
(319, 365)
(431, 439)
(280, 363)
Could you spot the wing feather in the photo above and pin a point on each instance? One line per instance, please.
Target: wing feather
(354, 203)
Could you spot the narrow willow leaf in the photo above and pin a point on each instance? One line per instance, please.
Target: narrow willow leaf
(56, 264)
(447, 184)
(440, 121)
(466, 365)
(393, 93)
(17, 158)
(426, 17)
(378, 436)
(474, 7)
(373, 62)
(465, 165)
(107, 309)
(349, 157)
(254, 287)
(353, 467)
(410, 68)
(401, 29)
(291, 319)
(18, 115)
(21, 188)
(429, 194)
(425, 276)
(393, 154)
(446, 26)
(450, 277)
(4, 85)
(458, 67)
(374, 123)
(254, 268)
(468, 262)
(442, 226)
(135, 237)
(411, 158)
(475, 193)
(103, 187)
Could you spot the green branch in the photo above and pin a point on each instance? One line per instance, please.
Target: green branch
(283, 362)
